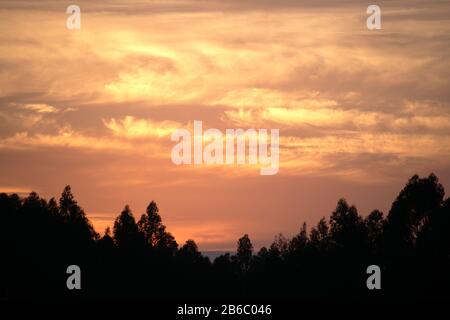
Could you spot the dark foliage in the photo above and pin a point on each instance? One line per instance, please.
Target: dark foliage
(39, 239)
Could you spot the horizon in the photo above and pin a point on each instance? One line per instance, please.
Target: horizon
(215, 252)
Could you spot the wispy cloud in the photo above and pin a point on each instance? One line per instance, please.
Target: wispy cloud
(131, 127)
(65, 138)
(41, 108)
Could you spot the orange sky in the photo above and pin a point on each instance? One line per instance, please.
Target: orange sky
(359, 111)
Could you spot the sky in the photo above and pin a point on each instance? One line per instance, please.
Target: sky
(359, 111)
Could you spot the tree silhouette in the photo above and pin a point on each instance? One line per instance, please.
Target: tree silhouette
(75, 218)
(39, 239)
(126, 234)
(166, 242)
(375, 224)
(298, 243)
(319, 236)
(244, 252)
(189, 253)
(347, 227)
(279, 246)
(151, 227)
(411, 212)
(106, 242)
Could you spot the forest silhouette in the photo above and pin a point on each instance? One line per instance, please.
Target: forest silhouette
(140, 259)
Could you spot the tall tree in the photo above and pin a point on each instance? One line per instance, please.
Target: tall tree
(154, 231)
(412, 210)
(75, 218)
(375, 225)
(166, 242)
(125, 230)
(244, 252)
(347, 227)
(280, 246)
(299, 242)
(150, 224)
(319, 236)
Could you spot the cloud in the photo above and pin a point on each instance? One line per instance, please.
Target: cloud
(131, 127)
(340, 119)
(363, 158)
(66, 138)
(41, 108)
(269, 98)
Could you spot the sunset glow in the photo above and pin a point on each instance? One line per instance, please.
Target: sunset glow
(359, 111)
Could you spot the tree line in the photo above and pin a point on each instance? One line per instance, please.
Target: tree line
(141, 259)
